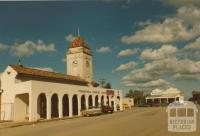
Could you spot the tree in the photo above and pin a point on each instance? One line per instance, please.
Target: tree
(138, 95)
(107, 86)
(130, 94)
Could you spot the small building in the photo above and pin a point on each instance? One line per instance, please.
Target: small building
(33, 94)
(127, 103)
(165, 96)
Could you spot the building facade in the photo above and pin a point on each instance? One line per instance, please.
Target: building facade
(165, 96)
(33, 94)
(127, 103)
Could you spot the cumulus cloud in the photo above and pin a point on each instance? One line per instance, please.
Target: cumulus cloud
(126, 66)
(127, 52)
(184, 69)
(181, 3)
(165, 51)
(173, 65)
(189, 14)
(29, 48)
(183, 26)
(70, 37)
(140, 76)
(194, 45)
(104, 50)
(44, 69)
(144, 23)
(3, 46)
(159, 83)
(179, 76)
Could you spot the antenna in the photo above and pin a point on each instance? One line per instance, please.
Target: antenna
(19, 62)
(78, 32)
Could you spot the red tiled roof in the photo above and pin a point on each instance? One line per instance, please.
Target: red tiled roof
(79, 42)
(30, 72)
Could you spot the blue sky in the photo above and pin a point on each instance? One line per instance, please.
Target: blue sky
(136, 44)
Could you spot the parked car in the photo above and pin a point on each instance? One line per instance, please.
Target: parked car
(107, 109)
(91, 112)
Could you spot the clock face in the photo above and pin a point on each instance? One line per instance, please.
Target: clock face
(75, 63)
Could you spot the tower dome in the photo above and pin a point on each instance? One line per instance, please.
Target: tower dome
(79, 42)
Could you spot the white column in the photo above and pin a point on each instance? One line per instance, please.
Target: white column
(60, 108)
(48, 106)
(86, 102)
(167, 100)
(93, 100)
(105, 99)
(79, 105)
(70, 105)
(110, 100)
(99, 100)
(120, 104)
(115, 104)
(32, 107)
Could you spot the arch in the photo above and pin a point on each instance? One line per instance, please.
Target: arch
(54, 105)
(42, 105)
(118, 103)
(65, 105)
(96, 101)
(102, 100)
(108, 101)
(112, 103)
(83, 103)
(90, 102)
(21, 107)
(75, 105)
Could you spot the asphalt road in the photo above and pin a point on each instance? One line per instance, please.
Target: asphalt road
(135, 122)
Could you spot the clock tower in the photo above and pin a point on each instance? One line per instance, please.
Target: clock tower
(79, 59)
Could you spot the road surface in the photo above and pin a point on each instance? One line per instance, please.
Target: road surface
(135, 122)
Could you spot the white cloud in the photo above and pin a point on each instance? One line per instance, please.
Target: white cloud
(104, 50)
(194, 45)
(127, 52)
(126, 66)
(44, 68)
(190, 15)
(144, 23)
(29, 48)
(3, 46)
(70, 37)
(167, 31)
(174, 65)
(159, 83)
(184, 25)
(165, 51)
(184, 69)
(179, 69)
(140, 76)
(181, 2)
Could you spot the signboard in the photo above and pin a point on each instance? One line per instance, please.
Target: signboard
(110, 92)
(182, 117)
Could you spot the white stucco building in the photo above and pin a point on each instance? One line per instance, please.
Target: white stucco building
(165, 96)
(33, 94)
(127, 103)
